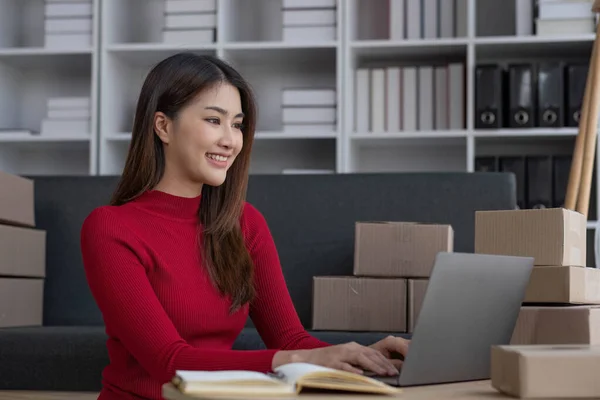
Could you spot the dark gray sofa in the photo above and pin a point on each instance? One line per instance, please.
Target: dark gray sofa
(312, 221)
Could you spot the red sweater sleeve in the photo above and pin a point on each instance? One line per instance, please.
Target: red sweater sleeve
(273, 312)
(114, 266)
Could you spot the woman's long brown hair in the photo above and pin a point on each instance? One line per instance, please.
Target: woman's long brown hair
(169, 86)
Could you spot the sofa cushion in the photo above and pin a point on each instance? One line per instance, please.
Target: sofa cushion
(72, 358)
(52, 358)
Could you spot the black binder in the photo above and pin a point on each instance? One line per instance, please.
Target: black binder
(521, 87)
(576, 80)
(550, 90)
(539, 182)
(488, 96)
(516, 165)
(561, 169)
(486, 164)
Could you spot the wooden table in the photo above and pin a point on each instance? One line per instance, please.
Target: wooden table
(479, 390)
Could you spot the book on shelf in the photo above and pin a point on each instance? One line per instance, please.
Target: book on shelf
(288, 379)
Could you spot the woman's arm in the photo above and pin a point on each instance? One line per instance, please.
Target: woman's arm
(273, 312)
(132, 312)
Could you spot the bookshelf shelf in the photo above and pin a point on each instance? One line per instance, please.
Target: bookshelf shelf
(294, 135)
(389, 136)
(525, 133)
(407, 49)
(24, 138)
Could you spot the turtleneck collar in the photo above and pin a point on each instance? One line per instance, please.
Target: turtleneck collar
(168, 205)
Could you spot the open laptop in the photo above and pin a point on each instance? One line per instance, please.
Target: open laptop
(472, 302)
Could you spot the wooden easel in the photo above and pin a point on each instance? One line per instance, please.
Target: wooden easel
(580, 177)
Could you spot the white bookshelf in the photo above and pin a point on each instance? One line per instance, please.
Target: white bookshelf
(33, 71)
(127, 42)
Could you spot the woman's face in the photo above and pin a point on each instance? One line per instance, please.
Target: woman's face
(205, 138)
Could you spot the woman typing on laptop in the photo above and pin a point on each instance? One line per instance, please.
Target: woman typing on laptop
(178, 261)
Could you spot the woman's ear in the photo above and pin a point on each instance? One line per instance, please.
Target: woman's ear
(162, 126)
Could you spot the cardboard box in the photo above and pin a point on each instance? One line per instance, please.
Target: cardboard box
(554, 371)
(399, 249)
(22, 252)
(553, 236)
(21, 302)
(346, 303)
(566, 285)
(557, 325)
(416, 293)
(16, 200)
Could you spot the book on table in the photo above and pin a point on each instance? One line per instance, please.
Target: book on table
(288, 379)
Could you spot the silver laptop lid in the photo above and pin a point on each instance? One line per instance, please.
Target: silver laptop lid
(472, 302)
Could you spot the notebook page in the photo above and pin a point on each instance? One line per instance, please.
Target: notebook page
(294, 371)
(222, 376)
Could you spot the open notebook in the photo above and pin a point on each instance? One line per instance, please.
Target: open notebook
(289, 379)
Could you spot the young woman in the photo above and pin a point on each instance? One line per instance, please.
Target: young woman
(178, 260)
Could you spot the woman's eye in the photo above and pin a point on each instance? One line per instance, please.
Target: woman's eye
(238, 125)
(213, 120)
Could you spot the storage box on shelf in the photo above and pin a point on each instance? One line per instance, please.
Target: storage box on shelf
(68, 25)
(310, 20)
(190, 21)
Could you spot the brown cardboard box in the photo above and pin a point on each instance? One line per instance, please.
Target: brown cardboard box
(554, 236)
(416, 293)
(399, 249)
(21, 302)
(568, 285)
(22, 252)
(16, 200)
(563, 371)
(346, 303)
(558, 325)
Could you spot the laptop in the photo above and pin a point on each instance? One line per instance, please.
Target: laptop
(472, 302)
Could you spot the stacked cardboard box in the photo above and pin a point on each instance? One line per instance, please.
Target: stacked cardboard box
(22, 255)
(392, 264)
(309, 110)
(562, 301)
(68, 24)
(546, 372)
(309, 20)
(190, 21)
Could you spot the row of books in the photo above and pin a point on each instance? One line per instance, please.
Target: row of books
(190, 21)
(67, 115)
(309, 20)
(311, 109)
(410, 98)
(542, 180)
(554, 17)
(68, 24)
(427, 19)
(546, 94)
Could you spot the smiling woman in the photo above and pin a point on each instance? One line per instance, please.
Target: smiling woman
(178, 260)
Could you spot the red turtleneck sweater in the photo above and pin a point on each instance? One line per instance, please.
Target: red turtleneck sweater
(160, 310)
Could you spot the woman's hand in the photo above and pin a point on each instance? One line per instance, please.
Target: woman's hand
(393, 348)
(350, 357)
